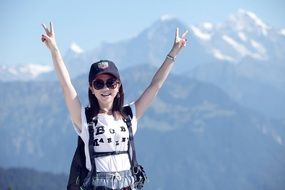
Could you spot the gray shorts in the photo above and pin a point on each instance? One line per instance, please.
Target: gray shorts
(114, 180)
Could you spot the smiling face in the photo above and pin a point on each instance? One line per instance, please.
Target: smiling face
(105, 87)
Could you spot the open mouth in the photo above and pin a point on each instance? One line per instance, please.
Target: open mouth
(106, 94)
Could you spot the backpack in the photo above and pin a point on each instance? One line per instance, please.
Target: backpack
(78, 170)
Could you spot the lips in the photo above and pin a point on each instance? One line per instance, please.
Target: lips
(106, 94)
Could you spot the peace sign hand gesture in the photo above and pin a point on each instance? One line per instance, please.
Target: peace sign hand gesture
(179, 43)
(49, 37)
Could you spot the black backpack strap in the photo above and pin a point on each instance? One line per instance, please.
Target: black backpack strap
(127, 110)
(101, 154)
(90, 143)
(131, 146)
(92, 122)
(137, 170)
(78, 170)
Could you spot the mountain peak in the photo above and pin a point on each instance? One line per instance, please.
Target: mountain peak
(167, 17)
(74, 47)
(247, 20)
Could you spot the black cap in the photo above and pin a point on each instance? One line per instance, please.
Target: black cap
(103, 67)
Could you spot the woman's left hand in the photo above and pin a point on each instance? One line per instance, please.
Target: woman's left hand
(179, 43)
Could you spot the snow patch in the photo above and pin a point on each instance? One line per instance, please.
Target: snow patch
(246, 20)
(35, 69)
(200, 34)
(219, 55)
(242, 36)
(277, 138)
(282, 32)
(208, 25)
(258, 46)
(76, 48)
(257, 21)
(243, 51)
(32, 70)
(167, 17)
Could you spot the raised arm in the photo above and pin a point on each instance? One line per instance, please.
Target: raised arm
(151, 91)
(70, 95)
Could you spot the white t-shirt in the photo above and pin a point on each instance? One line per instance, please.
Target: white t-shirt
(109, 135)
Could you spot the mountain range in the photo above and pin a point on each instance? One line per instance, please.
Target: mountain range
(217, 123)
(244, 56)
(194, 134)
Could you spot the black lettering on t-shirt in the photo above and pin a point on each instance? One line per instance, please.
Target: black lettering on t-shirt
(101, 140)
(96, 142)
(124, 139)
(100, 130)
(123, 129)
(109, 140)
(112, 131)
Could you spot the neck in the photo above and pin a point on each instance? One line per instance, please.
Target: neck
(105, 109)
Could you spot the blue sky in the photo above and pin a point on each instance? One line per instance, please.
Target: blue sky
(91, 22)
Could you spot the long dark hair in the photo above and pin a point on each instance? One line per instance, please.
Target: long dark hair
(118, 103)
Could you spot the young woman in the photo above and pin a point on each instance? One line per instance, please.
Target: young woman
(106, 99)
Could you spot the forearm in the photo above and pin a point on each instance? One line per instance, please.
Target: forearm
(162, 73)
(151, 91)
(160, 76)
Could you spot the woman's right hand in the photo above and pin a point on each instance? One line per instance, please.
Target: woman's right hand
(49, 37)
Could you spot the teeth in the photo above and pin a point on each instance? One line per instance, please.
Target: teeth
(106, 94)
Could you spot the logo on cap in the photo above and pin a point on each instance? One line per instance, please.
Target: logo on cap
(103, 65)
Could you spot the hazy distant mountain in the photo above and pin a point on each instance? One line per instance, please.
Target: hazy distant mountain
(23, 72)
(30, 179)
(194, 133)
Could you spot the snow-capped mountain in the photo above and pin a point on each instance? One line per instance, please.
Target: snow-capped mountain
(23, 72)
(249, 61)
(243, 35)
(76, 60)
(243, 55)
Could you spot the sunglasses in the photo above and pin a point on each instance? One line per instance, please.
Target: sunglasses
(99, 84)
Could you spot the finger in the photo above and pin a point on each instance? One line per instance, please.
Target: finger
(45, 28)
(184, 42)
(184, 34)
(43, 38)
(51, 27)
(177, 33)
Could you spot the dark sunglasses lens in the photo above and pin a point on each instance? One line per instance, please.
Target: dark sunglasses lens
(111, 83)
(98, 84)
